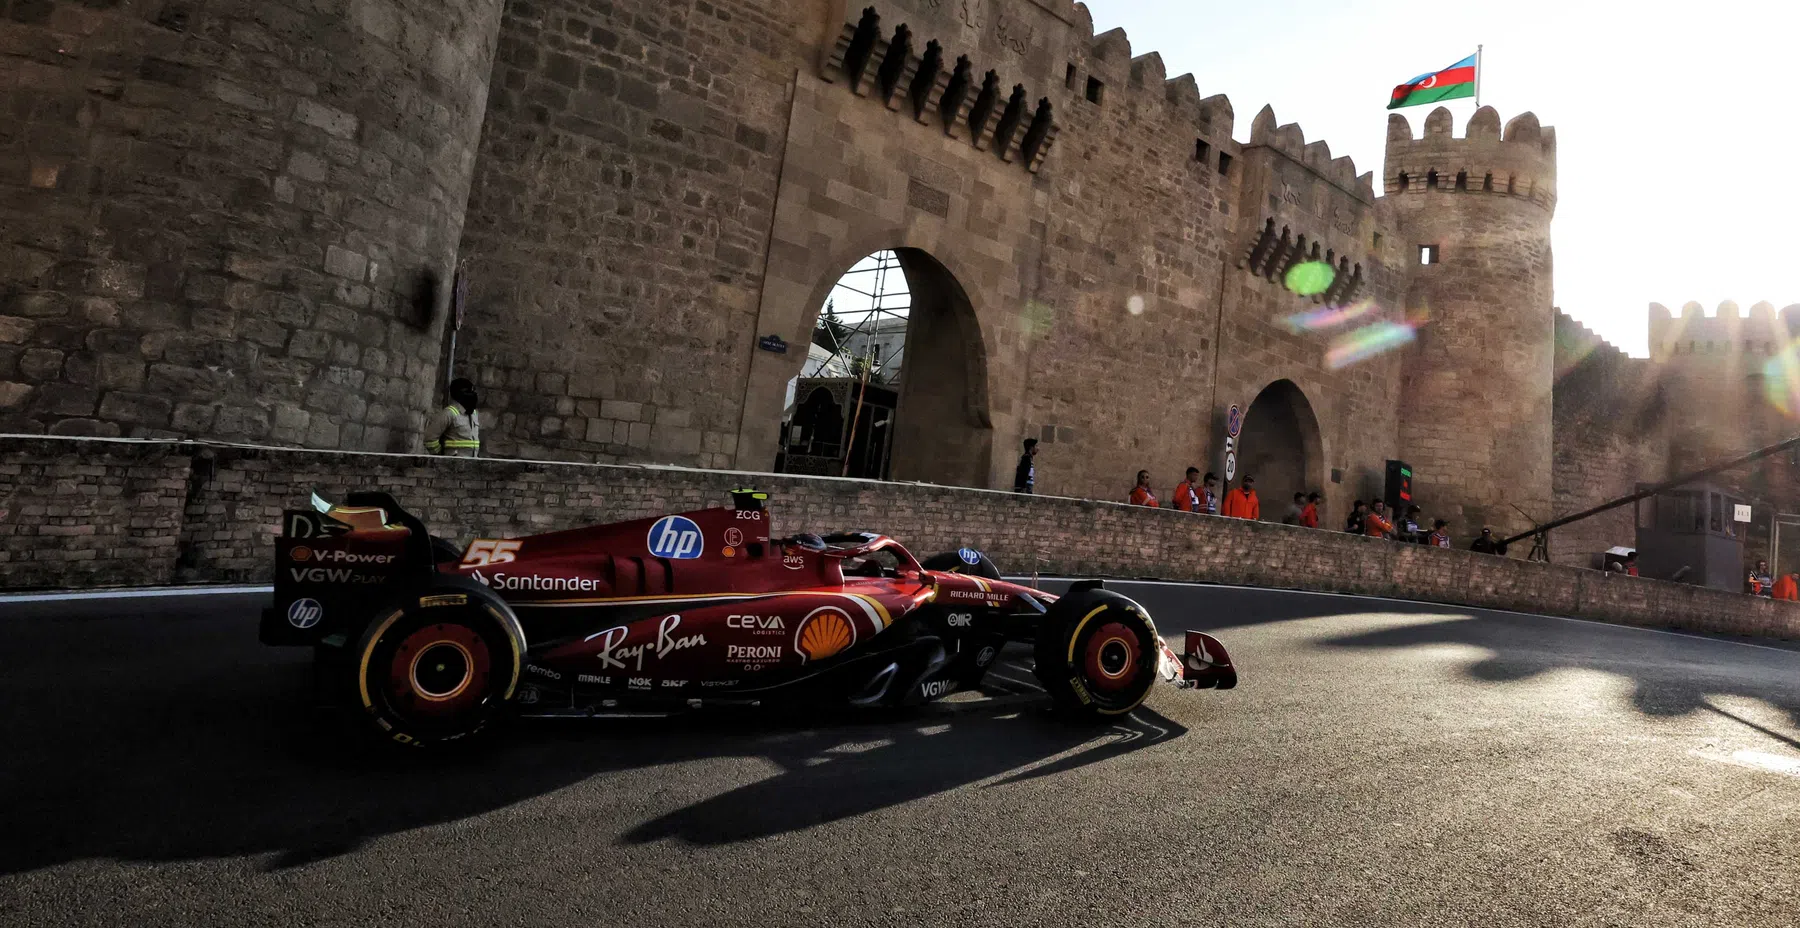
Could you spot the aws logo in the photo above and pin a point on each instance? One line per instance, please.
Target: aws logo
(825, 632)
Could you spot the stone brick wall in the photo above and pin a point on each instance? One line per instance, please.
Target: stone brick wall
(232, 218)
(1475, 396)
(161, 511)
(90, 513)
(619, 222)
(1611, 434)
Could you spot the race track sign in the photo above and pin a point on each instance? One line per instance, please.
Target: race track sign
(1234, 423)
(1740, 513)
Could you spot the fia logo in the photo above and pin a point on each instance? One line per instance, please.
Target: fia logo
(675, 537)
(305, 613)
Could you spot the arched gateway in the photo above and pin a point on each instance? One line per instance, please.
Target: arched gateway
(894, 385)
(1280, 446)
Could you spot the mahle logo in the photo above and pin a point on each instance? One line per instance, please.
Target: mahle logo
(675, 537)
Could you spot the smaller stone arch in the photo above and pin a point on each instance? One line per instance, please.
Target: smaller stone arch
(1281, 446)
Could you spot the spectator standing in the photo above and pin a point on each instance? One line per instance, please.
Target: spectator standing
(1760, 583)
(1242, 503)
(1376, 524)
(1025, 475)
(1140, 494)
(1486, 543)
(1209, 493)
(456, 430)
(1439, 535)
(1187, 493)
(1309, 514)
(1411, 530)
(1354, 523)
(1294, 511)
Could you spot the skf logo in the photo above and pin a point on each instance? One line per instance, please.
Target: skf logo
(675, 537)
(825, 632)
(300, 553)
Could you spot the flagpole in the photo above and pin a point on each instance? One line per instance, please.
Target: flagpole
(1477, 76)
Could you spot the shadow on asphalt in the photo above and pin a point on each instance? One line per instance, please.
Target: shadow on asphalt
(1672, 674)
(164, 736)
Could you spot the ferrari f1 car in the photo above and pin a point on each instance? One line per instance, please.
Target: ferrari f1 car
(434, 643)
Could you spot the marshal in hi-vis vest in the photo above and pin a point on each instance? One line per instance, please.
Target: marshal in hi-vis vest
(454, 433)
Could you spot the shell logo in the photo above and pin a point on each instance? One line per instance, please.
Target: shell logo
(825, 632)
(300, 553)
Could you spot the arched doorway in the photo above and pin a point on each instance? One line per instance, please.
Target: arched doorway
(1280, 447)
(896, 349)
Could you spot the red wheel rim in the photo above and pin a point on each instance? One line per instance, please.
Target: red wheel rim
(439, 670)
(1111, 658)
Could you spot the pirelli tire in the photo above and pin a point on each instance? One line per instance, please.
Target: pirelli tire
(438, 666)
(1097, 655)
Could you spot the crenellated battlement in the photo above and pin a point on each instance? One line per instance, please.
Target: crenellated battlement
(1728, 331)
(966, 67)
(1519, 160)
(1290, 140)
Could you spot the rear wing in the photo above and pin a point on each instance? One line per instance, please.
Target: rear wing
(336, 564)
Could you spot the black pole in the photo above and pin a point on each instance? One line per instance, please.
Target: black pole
(1665, 485)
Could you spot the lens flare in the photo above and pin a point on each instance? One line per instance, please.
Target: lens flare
(1329, 317)
(1309, 278)
(1135, 305)
(1781, 381)
(1367, 342)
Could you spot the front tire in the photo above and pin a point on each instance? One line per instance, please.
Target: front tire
(1097, 655)
(437, 668)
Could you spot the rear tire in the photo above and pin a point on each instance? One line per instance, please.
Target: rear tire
(437, 667)
(1096, 655)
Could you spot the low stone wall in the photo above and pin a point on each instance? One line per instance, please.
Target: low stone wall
(85, 513)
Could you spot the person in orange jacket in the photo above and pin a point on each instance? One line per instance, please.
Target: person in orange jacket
(1242, 503)
(1788, 588)
(1140, 494)
(1376, 524)
(1309, 514)
(1187, 493)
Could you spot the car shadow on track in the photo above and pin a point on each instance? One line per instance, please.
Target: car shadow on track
(143, 739)
(1672, 674)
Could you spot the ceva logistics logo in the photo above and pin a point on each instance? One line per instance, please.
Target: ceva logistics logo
(675, 537)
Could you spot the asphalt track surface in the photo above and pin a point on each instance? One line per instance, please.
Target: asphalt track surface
(1382, 763)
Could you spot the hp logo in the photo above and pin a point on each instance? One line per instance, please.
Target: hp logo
(675, 537)
(305, 613)
(970, 556)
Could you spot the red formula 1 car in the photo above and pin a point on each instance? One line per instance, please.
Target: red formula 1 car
(684, 611)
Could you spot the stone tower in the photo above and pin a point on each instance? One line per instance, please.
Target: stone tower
(1475, 398)
(234, 219)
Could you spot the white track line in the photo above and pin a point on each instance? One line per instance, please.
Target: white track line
(134, 594)
(1421, 602)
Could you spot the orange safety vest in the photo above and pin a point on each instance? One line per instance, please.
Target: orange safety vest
(1187, 499)
(1143, 497)
(1242, 504)
(1375, 526)
(1787, 588)
(1309, 515)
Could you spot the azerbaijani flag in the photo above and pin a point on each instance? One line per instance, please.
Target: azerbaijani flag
(1453, 82)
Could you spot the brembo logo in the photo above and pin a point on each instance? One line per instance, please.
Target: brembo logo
(675, 537)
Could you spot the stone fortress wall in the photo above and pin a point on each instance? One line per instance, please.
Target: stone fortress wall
(239, 220)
